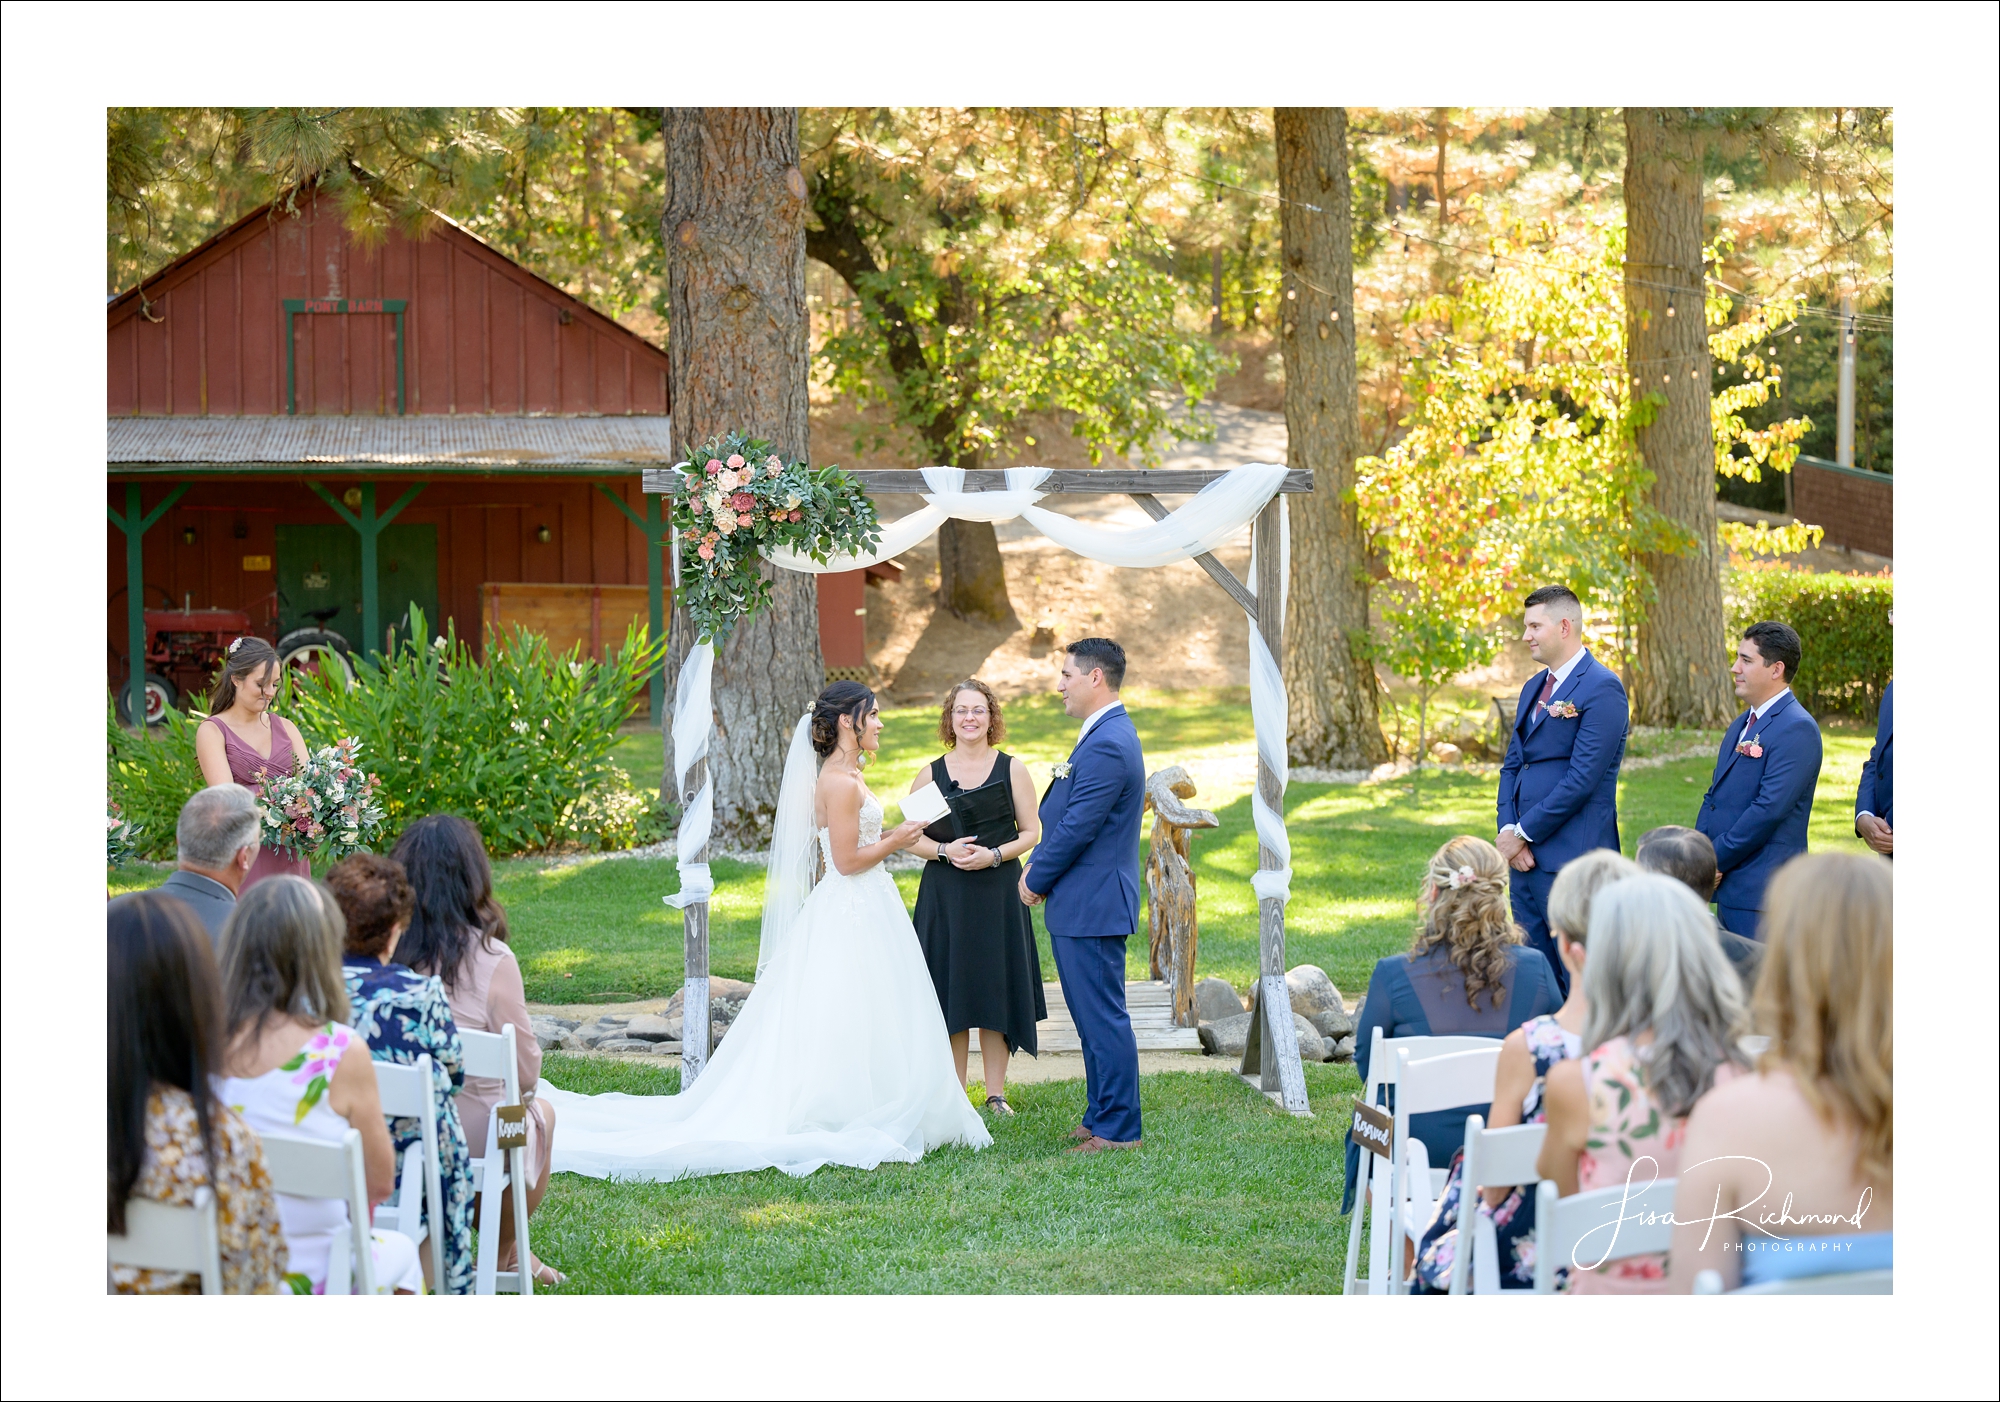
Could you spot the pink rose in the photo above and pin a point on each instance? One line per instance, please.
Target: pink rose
(707, 552)
(1756, 752)
(713, 467)
(745, 519)
(743, 501)
(796, 515)
(735, 460)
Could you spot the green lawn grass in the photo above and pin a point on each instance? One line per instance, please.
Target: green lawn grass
(596, 931)
(1226, 1196)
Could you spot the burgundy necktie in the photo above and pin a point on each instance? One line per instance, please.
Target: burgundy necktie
(1548, 690)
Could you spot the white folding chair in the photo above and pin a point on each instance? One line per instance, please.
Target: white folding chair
(1591, 1230)
(1375, 1191)
(496, 1171)
(1853, 1283)
(1494, 1158)
(1425, 1084)
(309, 1168)
(163, 1236)
(417, 1210)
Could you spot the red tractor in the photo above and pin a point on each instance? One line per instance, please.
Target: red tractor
(185, 648)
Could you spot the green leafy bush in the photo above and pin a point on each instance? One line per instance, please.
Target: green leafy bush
(1843, 621)
(149, 777)
(516, 743)
(520, 743)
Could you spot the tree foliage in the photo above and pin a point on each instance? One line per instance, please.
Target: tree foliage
(1517, 464)
(1005, 262)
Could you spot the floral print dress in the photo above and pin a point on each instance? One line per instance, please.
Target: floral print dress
(401, 1015)
(1514, 1218)
(246, 1211)
(291, 1099)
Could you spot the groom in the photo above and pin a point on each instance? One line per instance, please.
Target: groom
(1087, 869)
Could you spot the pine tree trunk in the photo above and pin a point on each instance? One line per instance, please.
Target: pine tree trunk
(734, 225)
(1681, 673)
(972, 580)
(1328, 677)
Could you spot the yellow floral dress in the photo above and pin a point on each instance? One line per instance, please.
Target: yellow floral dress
(246, 1211)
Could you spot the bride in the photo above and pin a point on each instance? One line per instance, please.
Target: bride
(840, 1055)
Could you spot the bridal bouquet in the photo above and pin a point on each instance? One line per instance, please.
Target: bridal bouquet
(733, 500)
(326, 802)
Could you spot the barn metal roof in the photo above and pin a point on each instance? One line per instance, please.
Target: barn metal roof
(483, 443)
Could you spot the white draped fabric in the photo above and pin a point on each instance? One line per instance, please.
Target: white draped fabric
(1196, 527)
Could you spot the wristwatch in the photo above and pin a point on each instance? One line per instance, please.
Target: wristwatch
(996, 855)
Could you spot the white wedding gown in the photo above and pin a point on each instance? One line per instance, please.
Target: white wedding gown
(840, 1056)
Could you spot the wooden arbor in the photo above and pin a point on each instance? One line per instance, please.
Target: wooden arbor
(1271, 1059)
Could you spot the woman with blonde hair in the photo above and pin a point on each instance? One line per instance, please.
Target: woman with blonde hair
(977, 937)
(1662, 1029)
(292, 1066)
(1527, 1055)
(1467, 974)
(1813, 1131)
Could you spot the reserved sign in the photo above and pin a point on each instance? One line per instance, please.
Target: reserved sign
(513, 1127)
(1374, 1129)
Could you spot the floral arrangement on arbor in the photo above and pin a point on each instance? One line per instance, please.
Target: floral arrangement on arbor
(735, 499)
(326, 802)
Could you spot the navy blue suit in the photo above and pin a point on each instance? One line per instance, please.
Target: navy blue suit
(1877, 793)
(1087, 866)
(1395, 1004)
(1560, 784)
(1757, 807)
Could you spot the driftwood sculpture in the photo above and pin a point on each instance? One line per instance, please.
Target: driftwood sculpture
(1170, 886)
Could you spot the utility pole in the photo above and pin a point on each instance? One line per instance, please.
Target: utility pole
(1843, 441)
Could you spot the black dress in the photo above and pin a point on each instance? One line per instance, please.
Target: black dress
(979, 940)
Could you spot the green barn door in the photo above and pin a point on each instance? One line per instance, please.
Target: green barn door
(319, 569)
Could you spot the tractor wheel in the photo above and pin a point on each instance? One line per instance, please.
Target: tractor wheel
(161, 696)
(310, 652)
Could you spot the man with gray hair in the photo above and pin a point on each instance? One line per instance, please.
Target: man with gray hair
(217, 837)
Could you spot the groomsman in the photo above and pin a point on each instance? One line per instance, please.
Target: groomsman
(1875, 801)
(1760, 801)
(1559, 785)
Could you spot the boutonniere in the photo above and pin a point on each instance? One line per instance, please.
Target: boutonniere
(1752, 746)
(1061, 771)
(1562, 710)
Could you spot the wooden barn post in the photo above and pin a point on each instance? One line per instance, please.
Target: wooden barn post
(135, 523)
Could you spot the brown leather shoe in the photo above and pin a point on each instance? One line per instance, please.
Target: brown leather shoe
(1094, 1145)
(1081, 1133)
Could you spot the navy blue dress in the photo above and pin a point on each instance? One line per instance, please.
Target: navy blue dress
(1425, 997)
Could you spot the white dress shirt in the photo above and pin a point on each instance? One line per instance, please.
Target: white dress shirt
(1758, 713)
(1562, 674)
(1094, 717)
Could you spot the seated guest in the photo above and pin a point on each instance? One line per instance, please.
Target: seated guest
(217, 839)
(293, 1067)
(1467, 973)
(1525, 1058)
(459, 933)
(403, 1015)
(1662, 1028)
(1689, 858)
(1813, 1129)
(169, 1135)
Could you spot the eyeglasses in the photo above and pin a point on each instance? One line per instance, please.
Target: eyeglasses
(960, 713)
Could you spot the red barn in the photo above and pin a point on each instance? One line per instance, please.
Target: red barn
(307, 436)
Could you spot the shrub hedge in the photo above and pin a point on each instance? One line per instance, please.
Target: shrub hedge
(1842, 620)
(519, 743)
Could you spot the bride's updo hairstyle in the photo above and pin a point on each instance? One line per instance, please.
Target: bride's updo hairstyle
(850, 699)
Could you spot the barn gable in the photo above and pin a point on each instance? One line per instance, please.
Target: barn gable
(479, 333)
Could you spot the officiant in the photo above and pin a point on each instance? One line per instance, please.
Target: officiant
(977, 937)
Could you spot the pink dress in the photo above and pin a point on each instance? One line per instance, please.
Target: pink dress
(249, 769)
(486, 996)
(1626, 1126)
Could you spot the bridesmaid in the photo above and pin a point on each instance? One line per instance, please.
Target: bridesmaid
(977, 937)
(242, 741)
